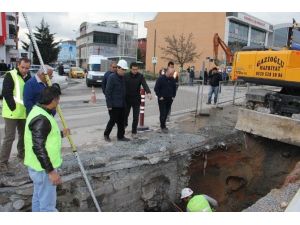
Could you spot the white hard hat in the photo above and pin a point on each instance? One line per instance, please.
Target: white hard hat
(123, 64)
(186, 192)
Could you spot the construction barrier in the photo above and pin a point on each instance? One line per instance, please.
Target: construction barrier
(141, 126)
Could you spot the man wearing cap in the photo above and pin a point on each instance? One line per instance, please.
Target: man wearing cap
(115, 101)
(35, 86)
(197, 203)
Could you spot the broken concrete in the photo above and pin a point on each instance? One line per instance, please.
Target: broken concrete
(275, 201)
(135, 176)
(270, 126)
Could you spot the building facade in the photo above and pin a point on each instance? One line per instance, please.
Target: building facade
(9, 37)
(107, 38)
(67, 52)
(235, 29)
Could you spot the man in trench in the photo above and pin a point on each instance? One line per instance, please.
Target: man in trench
(197, 203)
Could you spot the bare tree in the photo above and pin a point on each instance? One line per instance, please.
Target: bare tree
(180, 50)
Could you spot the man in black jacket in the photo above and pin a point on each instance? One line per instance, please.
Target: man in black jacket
(43, 150)
(61, 70)
(112, 69)
(165, 89)
(133, 82)
(13, 110)
(115, 101)
(214, 80)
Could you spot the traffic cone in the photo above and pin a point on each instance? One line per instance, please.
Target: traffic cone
(93, 96)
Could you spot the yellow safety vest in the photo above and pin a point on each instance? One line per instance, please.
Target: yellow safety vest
(198, 203)
(53, 142)
(20, 110)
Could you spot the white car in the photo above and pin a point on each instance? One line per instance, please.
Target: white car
(61, 81)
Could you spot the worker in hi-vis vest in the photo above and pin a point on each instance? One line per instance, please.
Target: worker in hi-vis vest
(43, 150)
(197, 203)
(13, 111)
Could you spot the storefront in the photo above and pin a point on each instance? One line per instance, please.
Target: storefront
(245, 30)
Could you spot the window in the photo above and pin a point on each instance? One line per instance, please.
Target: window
(12, 31)
(105, 38)
(280, 37)
(10, 18)
(296, 36)
(238, 36)
(257, 37)
(94, 67)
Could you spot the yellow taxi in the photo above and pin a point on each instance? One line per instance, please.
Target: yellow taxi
(76, 72)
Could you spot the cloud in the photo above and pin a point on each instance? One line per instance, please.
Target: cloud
(277, 17)
(64, 24)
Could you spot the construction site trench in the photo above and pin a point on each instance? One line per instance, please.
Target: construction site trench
(242, 172)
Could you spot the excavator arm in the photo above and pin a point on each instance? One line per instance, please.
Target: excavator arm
(217, 41)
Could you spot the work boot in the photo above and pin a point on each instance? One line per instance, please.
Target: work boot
(164, 130)
(208, 103)
(134, 136)
(123, 139)
(106, 138)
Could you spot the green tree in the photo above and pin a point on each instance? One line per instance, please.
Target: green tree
(45, 40)
(180, 50)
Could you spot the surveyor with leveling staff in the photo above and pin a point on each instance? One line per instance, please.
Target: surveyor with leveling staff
(43, 150)
(74, 149)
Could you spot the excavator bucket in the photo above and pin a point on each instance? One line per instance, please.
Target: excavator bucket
(279, 128)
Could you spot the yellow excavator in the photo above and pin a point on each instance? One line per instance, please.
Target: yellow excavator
(277, 68)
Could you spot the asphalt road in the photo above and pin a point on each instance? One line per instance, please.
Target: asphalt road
(87, 121)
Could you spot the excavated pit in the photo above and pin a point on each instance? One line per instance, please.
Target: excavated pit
(242, 173)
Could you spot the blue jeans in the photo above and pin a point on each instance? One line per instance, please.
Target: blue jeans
(44, 192)
(213, 90)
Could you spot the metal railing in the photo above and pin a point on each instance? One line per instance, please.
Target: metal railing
(230, 91)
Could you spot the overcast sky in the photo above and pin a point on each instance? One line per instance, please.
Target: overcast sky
(65, 24)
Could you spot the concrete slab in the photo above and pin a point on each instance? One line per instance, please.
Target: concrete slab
(283, 129)
(294, 205)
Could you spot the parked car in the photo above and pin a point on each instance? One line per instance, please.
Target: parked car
(76, 72)
(66, 69)
(62, 82)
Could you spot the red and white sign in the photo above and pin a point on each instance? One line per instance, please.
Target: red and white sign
(2, 28)
(253, 21)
